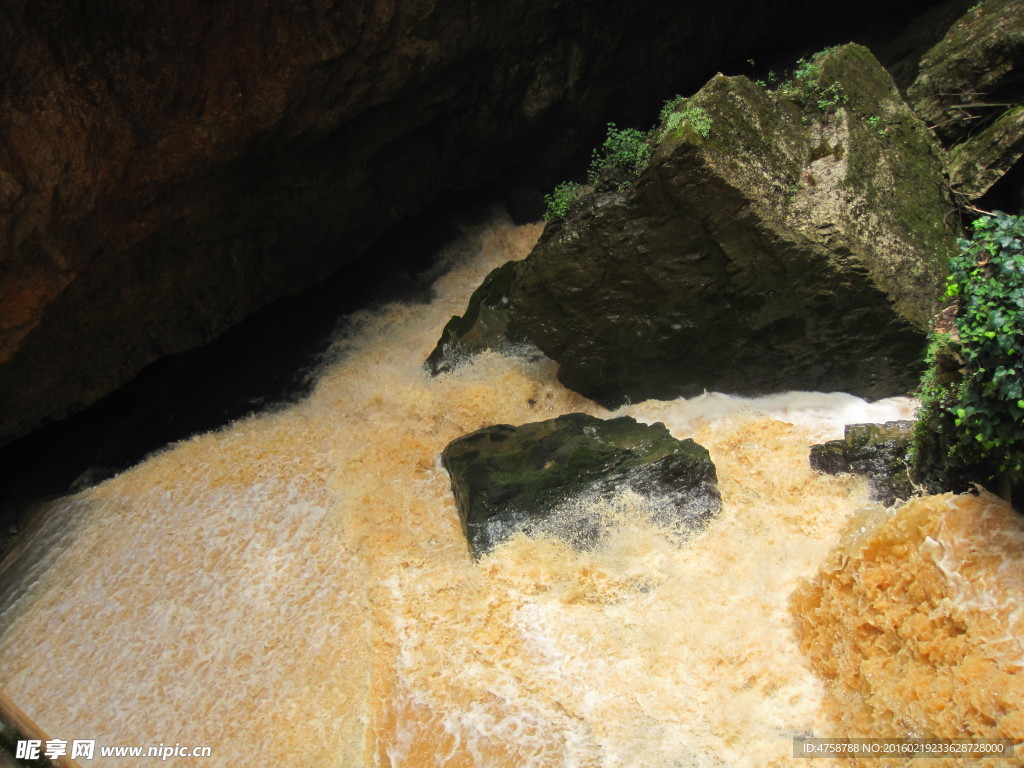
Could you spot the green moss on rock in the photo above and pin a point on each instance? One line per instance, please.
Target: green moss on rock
(980, 161)
(509, 479)
(751, 261)
(966, 79)
(794, 247)
(876, 451)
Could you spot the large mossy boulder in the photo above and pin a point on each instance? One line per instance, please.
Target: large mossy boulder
(800, 244)
(547, 478)
(878, 452)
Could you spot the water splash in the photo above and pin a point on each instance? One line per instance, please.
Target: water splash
(295, 589)
(917, 622)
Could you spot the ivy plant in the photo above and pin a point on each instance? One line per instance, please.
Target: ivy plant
(987, 405)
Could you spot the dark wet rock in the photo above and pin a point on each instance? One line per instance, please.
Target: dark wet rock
(876, 451)
(485, 325)
(976, 164)
(974, 73)
(970, 89)
(793, 247)
(512, 479)
(901, 54)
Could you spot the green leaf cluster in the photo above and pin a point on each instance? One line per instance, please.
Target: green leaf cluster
(987, 403)
(668, 108)
(563, 196)
(696, 117)
(805, 86)
(876, 123)
(625, 153)
(672, 117)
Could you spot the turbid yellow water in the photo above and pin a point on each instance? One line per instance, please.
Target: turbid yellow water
(917, 621)
(295, 590)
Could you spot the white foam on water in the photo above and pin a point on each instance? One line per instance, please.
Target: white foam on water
(295, 589)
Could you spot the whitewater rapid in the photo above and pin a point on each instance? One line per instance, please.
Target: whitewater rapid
(295, 589)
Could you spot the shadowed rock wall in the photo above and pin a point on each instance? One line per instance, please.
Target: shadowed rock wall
(167, 168)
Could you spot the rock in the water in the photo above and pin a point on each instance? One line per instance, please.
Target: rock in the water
(798, 245)
(512, 479)
(484, 325)
(877, 451)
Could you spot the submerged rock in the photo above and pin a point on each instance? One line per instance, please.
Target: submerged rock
(877, 451)
(799, 244)
(515, 479)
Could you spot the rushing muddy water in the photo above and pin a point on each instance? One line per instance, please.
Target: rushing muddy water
(295, 590)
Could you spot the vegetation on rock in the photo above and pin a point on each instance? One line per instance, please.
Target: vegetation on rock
(797, 244)
(673, 119)
(625, 153)
(973, 394)
(807, 86)
(563, 196)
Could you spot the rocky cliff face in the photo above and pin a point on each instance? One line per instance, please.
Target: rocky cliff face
(974, 73)
(166, 169)
(970, 90)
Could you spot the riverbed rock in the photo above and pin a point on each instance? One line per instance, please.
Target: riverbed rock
(484, 325)
(879, 452)
(798, 245)
(510, 479)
